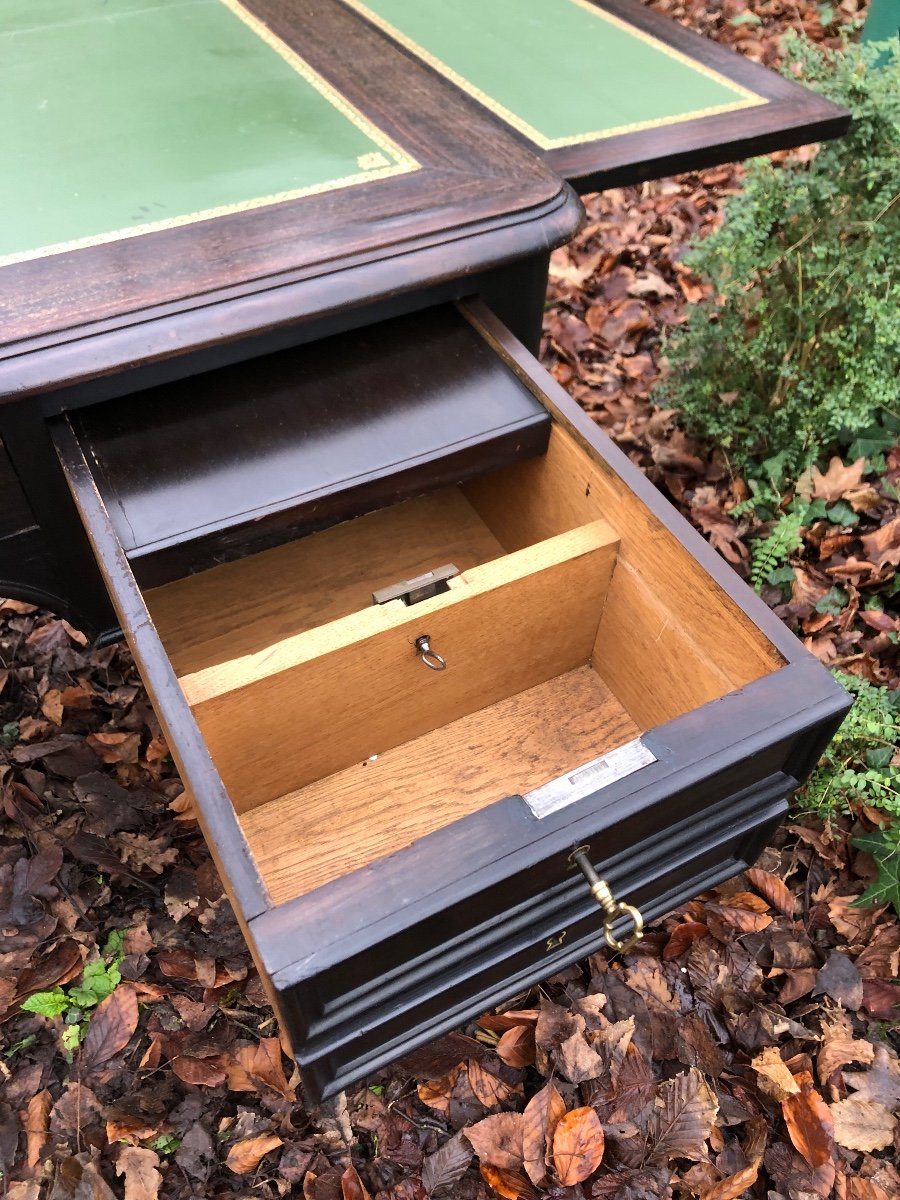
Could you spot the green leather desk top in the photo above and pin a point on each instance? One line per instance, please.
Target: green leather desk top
(561, 72)
(119, 117)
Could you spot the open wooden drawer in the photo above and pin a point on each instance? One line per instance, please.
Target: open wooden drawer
(398, 841)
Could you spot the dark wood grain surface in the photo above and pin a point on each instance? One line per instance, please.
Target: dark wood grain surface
(201, 471)
(479, 199)
(792, 116)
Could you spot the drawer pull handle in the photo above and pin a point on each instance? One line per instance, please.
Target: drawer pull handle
(612, 908)
(428, 656)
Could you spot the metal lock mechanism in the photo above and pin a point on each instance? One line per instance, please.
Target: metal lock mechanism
(419, 588)
(612, 908)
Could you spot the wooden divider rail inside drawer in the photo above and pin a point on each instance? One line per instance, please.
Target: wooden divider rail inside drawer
(397, 841)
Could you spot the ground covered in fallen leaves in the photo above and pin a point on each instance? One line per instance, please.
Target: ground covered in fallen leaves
(748, 1048)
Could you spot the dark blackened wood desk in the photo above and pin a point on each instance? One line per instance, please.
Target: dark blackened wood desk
(272, 279)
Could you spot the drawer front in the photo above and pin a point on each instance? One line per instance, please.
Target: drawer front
(457, 981)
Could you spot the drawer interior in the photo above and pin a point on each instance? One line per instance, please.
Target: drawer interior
(577, 622)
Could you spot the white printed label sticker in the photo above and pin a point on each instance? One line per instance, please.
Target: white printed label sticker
(588, 778)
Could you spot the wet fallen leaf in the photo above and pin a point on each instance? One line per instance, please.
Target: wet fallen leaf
(578, 1143)
(447, 1165)
(840, 980)
(511, 1184)
(112, 1024)
(352, 1187)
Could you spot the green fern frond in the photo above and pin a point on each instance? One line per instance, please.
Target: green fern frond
(774, 550)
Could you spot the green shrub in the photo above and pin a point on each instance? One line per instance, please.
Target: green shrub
(856, 767)
(798, 350)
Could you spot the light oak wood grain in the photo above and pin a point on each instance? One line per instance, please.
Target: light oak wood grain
(317, 702)
(669, 639)
(242, 607)
(509, 748)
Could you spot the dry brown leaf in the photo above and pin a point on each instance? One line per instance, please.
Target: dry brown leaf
(774, 1078)
(29, 1189)
(840, 1047)
(837, 480)
(52, 706)
(115, 747)
(681, 937)
(516, 1046)
(511, 1184)
(577, 1061)
(259, 1064)
(809, 1123)
(741, 918)
(36, 1122)
(497, 1140)
(862, 1125)
(489, 1090)
(112, 1024)
(881, 1082)
(852, 922)
(138, 1165)
(880, 958)
(774, 889)
(436, 1092)
(246, 1155)
(734, 1186)
(352, 1187)
(500, 1022)
(686, 1109)
(883, 546)
(578, 1143)
(646, 978)
(542, 1114)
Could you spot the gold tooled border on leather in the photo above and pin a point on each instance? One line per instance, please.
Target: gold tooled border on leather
(389, 160)
(748, 98)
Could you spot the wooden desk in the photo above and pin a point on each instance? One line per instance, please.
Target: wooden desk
(229, 232)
